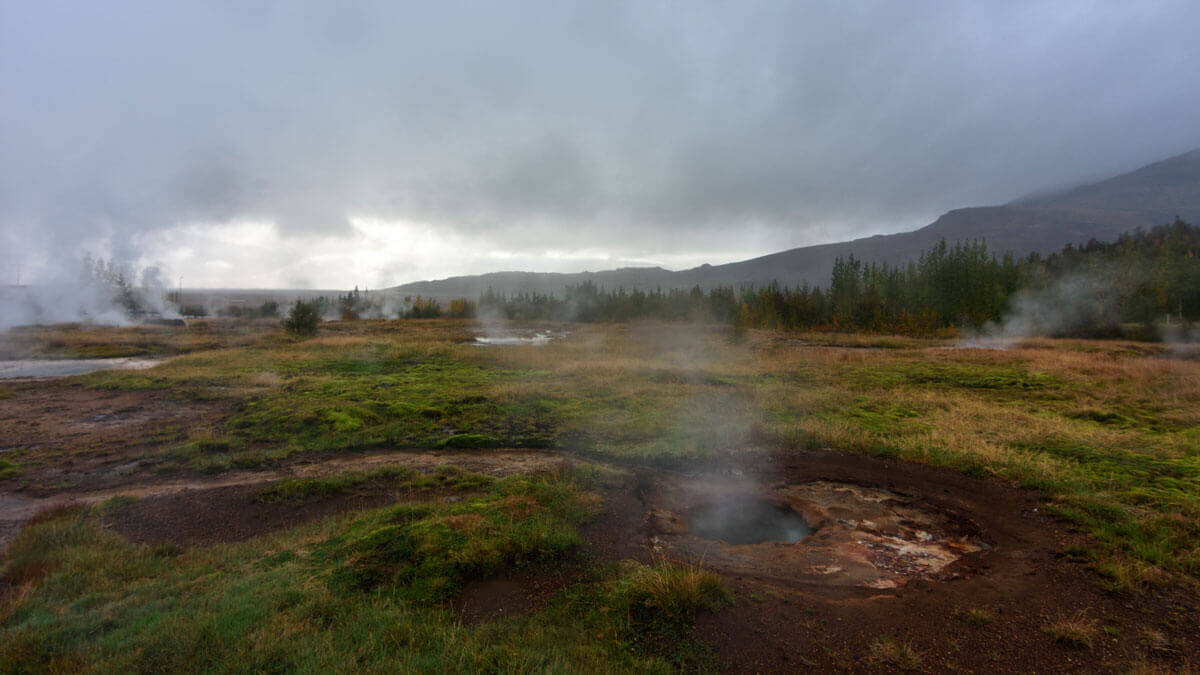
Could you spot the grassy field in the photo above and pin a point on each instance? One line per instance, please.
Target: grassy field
(1108, 432)
(363, 592)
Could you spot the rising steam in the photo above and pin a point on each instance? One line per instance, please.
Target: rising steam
(99, 292)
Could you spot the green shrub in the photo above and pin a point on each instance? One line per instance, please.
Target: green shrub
(302, 319)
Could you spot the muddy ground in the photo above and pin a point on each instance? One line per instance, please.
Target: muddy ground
(65, 436)
(80, 447)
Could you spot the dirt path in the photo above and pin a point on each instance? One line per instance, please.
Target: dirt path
(75, 445)
(16, 508)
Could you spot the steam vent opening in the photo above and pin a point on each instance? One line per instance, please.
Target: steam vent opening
(815, 531)
(748, 521)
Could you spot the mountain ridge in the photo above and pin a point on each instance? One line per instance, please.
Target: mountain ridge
(1151, 195)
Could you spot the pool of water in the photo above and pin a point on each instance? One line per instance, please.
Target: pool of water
(748, 521)
(508, 339)
(44, 368)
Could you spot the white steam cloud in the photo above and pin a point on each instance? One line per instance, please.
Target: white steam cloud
(98, 292)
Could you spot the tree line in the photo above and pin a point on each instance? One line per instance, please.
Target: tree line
(1140, 279)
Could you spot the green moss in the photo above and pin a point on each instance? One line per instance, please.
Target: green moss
(959, 376)
(884, 417)
(465, 441)
(393, 477)
(206, 446)
(426, 553)
(342, 421)
(109, 351)
(117, 380)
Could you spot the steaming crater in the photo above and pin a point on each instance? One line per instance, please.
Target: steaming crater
(748, 521)
(813, 532)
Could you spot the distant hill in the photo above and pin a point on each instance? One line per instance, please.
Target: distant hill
(1151, 195)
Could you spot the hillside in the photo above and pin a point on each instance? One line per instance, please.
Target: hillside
(1152, 195)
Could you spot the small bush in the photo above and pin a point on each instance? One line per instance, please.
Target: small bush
(302, 319)
(7, 469)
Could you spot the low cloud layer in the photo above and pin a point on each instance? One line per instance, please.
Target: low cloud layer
(605, 132)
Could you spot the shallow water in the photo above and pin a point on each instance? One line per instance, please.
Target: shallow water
(44, 368)
(748, 521)
(508, 339)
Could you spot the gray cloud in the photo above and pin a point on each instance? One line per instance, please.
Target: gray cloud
(552, 124)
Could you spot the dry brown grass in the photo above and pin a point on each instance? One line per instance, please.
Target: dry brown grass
(1076, 630)
(978, 617)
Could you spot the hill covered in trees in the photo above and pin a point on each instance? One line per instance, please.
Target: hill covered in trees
(1095, 290)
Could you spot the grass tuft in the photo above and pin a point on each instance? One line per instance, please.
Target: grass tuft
(396, 477)
(1077, 630)
(886, 652)
(978, 617)
(673, 592)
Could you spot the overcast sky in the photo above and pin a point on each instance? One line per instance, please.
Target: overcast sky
(251, 143)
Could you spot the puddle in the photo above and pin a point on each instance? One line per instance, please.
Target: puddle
(44, 368)
(511, 338)
(748, 521)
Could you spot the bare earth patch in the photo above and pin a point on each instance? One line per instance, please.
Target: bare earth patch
(64, 434)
